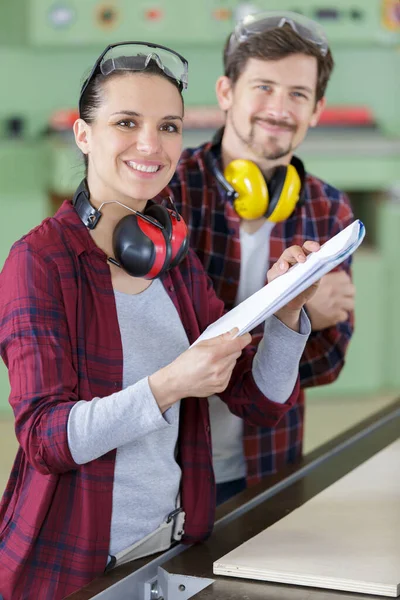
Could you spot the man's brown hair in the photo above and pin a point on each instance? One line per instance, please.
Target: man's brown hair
(275, 44)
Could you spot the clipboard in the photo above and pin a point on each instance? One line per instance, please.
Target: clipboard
(273, 296)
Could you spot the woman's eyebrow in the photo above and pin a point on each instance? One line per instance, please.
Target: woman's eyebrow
(132, 113)
(129, 113)
(172, 117)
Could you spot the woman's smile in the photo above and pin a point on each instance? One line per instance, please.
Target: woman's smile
(144, 169)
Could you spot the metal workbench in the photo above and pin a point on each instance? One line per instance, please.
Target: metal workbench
(241, 518)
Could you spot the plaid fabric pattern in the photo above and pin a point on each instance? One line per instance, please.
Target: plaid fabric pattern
(59, 338)
(214, 229)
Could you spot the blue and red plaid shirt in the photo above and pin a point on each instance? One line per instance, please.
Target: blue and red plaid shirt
(60, 339)
(215, 235)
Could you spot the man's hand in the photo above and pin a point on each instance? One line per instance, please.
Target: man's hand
(290, 314)
(332, 302)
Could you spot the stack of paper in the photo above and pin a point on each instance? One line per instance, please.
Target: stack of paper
(267, 301)
(345, 538)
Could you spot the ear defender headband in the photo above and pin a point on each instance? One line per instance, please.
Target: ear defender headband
(145, 244)
(250, 194)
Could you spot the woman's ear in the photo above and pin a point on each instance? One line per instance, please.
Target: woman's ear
(82, 135)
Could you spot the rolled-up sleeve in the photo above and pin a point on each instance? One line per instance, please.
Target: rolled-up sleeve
(36, 349)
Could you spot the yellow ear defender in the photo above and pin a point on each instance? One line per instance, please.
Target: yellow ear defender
(254, 198)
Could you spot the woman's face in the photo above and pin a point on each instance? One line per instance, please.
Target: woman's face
(135, 140)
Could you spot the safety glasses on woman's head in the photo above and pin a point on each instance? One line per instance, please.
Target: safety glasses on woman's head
(136, 56)
(261, 22)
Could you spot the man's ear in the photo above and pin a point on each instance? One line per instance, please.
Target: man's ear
(82, 135)
(319, 107)
(223, 89)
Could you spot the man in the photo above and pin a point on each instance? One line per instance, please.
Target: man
(276, 73)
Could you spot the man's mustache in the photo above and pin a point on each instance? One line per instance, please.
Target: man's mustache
(276, 123)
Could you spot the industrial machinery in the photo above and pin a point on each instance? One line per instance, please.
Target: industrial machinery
(182, 573)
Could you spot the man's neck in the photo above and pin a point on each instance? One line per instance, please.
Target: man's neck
(231, 149)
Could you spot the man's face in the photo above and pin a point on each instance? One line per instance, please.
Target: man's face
(271, 106)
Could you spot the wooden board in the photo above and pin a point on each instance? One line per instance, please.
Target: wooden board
(345, 538)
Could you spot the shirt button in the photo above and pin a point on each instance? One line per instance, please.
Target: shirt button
(171, 288)
(208, 429)
(115, 384)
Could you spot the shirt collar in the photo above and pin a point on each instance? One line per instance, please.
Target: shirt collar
(79, 237)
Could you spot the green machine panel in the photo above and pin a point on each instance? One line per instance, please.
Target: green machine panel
(365, 22)
(364, 35)
(73, 22)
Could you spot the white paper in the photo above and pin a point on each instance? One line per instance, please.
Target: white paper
(273, 296)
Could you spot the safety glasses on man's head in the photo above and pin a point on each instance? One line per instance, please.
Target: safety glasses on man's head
(260, 23)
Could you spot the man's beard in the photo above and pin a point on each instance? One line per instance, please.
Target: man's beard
(270, 150)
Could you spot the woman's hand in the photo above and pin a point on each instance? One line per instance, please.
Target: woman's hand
(290, 313)
(200, 371)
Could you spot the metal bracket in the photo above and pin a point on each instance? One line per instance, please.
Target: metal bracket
(170, 586)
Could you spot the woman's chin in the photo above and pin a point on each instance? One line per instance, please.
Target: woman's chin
(145, 189)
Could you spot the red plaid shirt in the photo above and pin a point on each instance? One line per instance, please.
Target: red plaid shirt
(59, 338)
(215, 235)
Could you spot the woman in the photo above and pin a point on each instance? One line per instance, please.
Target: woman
(96, 318)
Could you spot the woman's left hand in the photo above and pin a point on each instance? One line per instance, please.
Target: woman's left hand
(290, 313)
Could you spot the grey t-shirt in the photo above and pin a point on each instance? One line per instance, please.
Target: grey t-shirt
(147, 476)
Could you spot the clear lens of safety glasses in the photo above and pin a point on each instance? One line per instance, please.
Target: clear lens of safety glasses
(136, 56)
(259, 23)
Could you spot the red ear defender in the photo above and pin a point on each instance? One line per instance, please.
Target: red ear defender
(176, 229)
(179, 239)
(141, 246)
(144, 244)
(148, 244)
